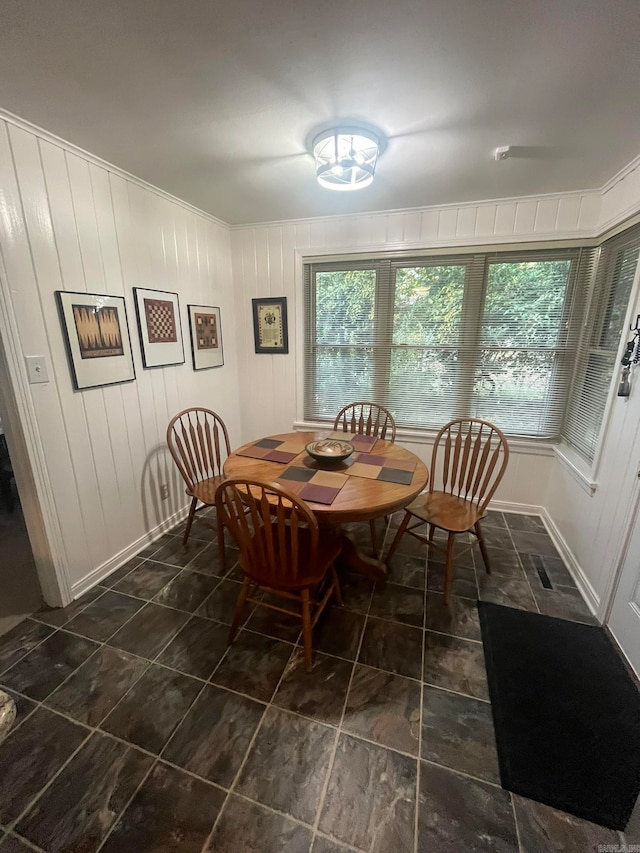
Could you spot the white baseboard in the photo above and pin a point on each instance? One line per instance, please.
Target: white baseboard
(103, 571)
(581, 580)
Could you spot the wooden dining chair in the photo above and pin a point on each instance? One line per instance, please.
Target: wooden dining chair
(468, 461)
(280, 551)
(197, 440)
(366, 419)
(363, 418)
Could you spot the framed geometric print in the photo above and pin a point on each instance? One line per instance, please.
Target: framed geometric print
(206, 336)
(96, 337)
(158, 315)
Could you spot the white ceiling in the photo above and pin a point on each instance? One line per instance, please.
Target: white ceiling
(215, 102)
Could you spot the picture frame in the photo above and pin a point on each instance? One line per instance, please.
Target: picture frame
(205, 329)
(270, 330)
(96, 336)
(158, 314)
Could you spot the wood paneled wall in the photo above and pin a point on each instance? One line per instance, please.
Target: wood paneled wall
(266, 261)
(68, 222)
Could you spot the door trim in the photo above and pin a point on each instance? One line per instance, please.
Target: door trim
(28, 461)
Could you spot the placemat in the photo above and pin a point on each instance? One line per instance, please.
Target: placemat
(272, 450)
(381, 468)
(363, 443)
(321, 487)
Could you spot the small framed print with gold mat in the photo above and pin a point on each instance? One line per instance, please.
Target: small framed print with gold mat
(270, 331)
(96, 337)
(206, 336)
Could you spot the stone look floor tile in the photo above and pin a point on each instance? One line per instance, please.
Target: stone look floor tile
(564, 603)
(356, 592)
(543, 828)
(151, 710)
(174, 553)
(59, 616)
(318, 694)
(98, 685)
(19, 641)
(507, 591)
(493, 518)
(464, 580)
(245, 826)
(457, 732)
(408, 571)
(459, 618)
(197, 648)
(212, 739)
(534, 543)
(520, 521)
(171, 813)
(327, 845)
(121, 573)
(31, 755)
(338, 632)
(186, 591)
(393, 647)
(149, 630)
(503, 561)
(146, 580)
(48, 665)
(554, 567)
(399, 604)
(79, 809)
(11, 844)
(497, 537)
(287, 764)
(221, 603)
(370, 799)
(455, 664)
(154, 547)
(253, 665)
(457, 813)
(271, 623)
(384, 708)
(206, 561)
(102, 618)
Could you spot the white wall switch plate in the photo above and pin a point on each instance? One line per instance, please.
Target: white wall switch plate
(36, 368)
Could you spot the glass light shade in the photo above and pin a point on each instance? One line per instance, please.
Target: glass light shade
(345, 158)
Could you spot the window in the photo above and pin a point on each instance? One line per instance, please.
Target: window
(597, 352)
(488, 335)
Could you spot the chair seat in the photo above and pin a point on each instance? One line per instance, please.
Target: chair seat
(205, 491)
(446, 511)
(329, 547)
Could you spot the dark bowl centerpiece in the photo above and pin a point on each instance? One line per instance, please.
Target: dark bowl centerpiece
(329, 451)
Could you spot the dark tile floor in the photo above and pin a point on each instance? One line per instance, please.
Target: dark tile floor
(138, 729)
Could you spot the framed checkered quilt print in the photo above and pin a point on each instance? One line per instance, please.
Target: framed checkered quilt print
(206, 336)
(158, 315)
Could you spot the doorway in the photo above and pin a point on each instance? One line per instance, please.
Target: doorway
(624, 617)
(20, 593)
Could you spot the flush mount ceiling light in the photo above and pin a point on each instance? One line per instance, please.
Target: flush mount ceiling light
(345, 158)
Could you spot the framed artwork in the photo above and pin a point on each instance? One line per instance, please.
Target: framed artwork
(206, 336)
(97, 338)
(158, 315)
(270, 331)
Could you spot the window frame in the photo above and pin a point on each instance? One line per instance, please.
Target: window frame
(471, 314)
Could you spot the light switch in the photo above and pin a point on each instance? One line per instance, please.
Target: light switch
(36, 368)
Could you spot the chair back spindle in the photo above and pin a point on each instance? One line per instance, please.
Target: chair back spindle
(364, 418)
(474, 457)
(276, 533)
(197, 439)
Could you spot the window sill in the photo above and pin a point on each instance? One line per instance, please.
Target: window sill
(408, 436)
(578, 467)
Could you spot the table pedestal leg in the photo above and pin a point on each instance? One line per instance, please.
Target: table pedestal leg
(354, 560)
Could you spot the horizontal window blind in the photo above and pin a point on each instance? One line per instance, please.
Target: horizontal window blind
(489, 335)
(596, 360)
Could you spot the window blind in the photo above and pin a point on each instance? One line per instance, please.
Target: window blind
(488, 335)
(596, 361)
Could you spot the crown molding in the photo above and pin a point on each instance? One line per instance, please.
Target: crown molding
(41, 133)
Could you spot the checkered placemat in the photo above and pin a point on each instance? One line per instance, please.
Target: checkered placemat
(321, 487)
(272, 450)
(364, 443)
(380, 468)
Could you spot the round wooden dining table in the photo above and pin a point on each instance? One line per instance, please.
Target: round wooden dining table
(360, 499)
